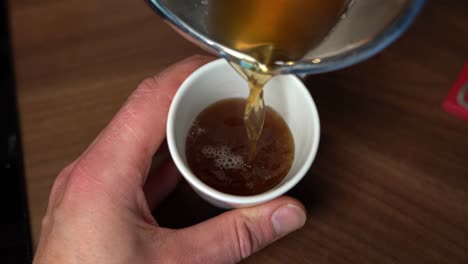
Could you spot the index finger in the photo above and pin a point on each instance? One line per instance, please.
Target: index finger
(122, 152)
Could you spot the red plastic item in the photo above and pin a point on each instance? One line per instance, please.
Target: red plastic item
(456, 102)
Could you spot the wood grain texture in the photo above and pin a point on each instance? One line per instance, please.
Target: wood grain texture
(390, 182)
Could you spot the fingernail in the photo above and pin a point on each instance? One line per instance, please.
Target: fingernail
(287, 219)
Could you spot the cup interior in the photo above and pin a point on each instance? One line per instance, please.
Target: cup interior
(216, 81)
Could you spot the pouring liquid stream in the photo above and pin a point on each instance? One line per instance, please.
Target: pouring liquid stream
(254, 113)
(272, 32)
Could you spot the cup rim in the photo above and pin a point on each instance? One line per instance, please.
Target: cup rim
(230, 198)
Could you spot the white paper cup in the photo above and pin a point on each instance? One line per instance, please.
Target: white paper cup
(216, 81)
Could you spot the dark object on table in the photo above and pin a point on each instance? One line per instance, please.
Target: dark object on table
(15, 239)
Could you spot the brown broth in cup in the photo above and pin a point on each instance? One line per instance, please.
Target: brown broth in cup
(217, 150)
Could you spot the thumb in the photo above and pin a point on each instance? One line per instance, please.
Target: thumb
(235, 235)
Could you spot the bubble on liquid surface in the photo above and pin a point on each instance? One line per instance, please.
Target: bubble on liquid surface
(197, 130)
(221, 176)
(223, 157)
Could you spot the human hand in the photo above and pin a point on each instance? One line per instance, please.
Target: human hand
(100, 205)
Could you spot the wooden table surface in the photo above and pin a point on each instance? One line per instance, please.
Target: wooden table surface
(390, 182)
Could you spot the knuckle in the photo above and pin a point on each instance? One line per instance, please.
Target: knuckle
(46, 222)
(59, 184)
(148, 84)
(147, 87)
(153, 88)
(248, 239)
(80, 183)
